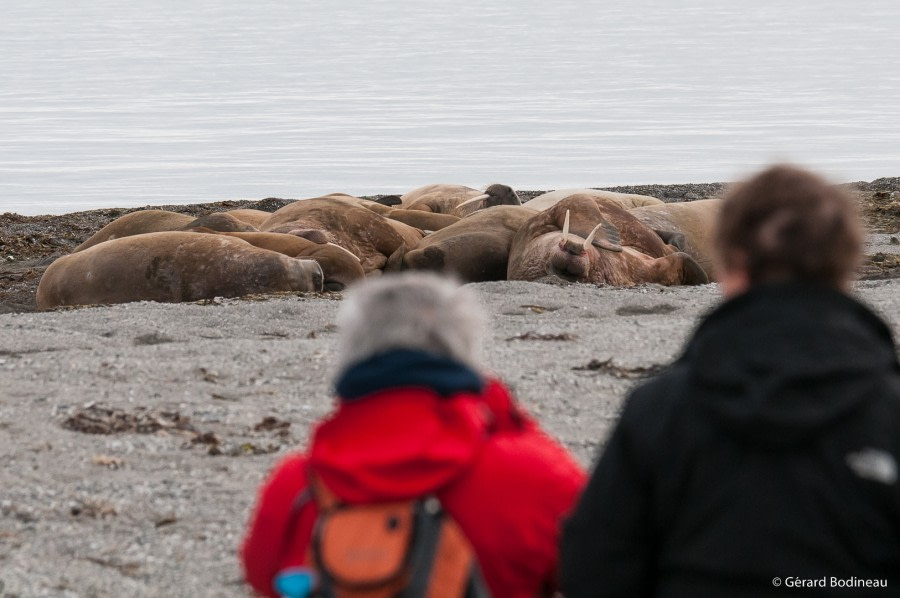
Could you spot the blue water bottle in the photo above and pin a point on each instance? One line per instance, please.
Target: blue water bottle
(296, 582)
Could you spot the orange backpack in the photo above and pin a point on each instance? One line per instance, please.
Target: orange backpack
(408, 549)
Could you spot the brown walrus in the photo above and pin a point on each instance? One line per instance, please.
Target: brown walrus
(458, 200)
(626, 200)
(369, 236)
(693, 221)
(137, 223)
(250, 216)
(172, 267)
(475, 249)
(592, 239)
(339, 266)
(155, 221)
(426, 221)
(223, 222)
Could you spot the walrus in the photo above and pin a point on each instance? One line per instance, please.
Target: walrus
(475, 249)
(458, 200)
(155, 221)
(426, 221)
(692, 221)
(339, 266)
(136, 223)
(171, 267)
(398, 218)
(222, 222)
(250, 216)
(594, 239)
(369, 236)
(626, 200)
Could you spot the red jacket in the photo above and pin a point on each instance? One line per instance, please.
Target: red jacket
(505, 482)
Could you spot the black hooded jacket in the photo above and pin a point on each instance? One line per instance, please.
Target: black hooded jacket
(769, 450)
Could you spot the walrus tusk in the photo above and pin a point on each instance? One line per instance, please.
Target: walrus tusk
(481, 197)
(565, 238)
(590, 237)
(358, 259)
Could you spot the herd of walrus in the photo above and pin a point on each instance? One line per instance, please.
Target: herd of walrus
(325, 243)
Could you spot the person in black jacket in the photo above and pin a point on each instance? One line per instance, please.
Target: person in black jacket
(764, 461)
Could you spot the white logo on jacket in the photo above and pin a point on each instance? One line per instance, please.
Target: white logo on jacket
(873, 464)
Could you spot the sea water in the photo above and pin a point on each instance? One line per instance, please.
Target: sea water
(108, 103)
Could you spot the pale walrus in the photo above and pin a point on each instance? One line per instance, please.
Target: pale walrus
(475, 249)
(156, 221)
(369, 236)
(458, 200)
(626, 200)
(172, 267)
(339, 266)
(592, 239)
(693, 221)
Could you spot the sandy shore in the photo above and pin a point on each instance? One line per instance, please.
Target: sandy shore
(133, 437)
(28, 244)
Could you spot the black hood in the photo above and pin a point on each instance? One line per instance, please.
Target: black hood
(780, 363)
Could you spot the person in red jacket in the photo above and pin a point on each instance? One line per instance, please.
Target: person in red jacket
(417, 415)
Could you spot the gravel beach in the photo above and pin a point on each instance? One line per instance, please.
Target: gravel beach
(133, 437)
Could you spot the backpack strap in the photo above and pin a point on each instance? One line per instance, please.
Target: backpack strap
(456, 573)
(304, 497)
(429, 525)
(325, 498)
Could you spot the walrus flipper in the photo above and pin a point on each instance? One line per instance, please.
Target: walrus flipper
(395, 260)
(675, 269)
(606, 236)
(691, 272)
(672, 238)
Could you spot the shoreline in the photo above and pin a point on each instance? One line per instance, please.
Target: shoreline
(28, 244)
(667, 192)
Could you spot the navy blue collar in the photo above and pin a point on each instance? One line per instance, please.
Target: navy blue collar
(407, 368)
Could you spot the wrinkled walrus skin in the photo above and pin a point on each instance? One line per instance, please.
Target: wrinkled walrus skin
(623, 251)
(340, 268)
(475, 249)
(369, 236)
(425, 221)
(694, 220)
(171, 267)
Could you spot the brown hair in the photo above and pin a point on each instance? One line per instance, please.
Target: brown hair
(789, 224)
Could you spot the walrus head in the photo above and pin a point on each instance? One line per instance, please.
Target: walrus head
(305, 275)
(573, 255)
(494, 195)
(584, 239)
